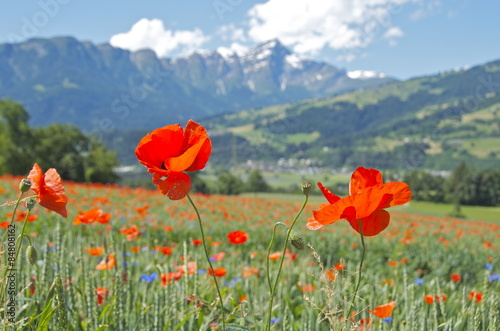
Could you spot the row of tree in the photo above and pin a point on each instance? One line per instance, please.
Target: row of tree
(76, 156)
(465, 186)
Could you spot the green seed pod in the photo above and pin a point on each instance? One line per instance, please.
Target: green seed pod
(297, 240)
(24, 185)
(31, 254)
(306, 188)
(30, 203)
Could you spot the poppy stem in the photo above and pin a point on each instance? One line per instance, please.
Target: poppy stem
(363, 250)
(273, 290)
(210, 263)
(268, 269)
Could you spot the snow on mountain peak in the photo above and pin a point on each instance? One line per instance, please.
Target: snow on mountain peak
(365, 74)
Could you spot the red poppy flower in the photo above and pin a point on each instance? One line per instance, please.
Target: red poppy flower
(49, 189)
(383, 311)
(473, 295)
(429, 299)
(170, 151)
(237, 237)
(131, 232)
(218, 272)
(102, 293)
(368, 198)
(169, 277)
(91, 216)
(455, 277)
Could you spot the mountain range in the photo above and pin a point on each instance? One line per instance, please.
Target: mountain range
(100, 88)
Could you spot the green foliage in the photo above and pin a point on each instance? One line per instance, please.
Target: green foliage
(76, 156)
(256, 182)
(228, 184)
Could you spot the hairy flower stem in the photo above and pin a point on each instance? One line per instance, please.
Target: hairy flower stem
(273, 290)
(360, 268)
(210, 263)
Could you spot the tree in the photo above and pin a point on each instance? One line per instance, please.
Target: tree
(16, 139)
(256, 183)
(229, 184)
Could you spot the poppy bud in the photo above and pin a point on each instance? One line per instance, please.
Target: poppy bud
(30, 203)
(306, 188)
(31, 254)
(297, 240)
(24, 185)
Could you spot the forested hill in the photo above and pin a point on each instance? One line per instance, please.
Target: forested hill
(431, 122)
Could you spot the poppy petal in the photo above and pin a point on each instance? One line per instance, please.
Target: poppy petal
(363, 178)
(373, 224)
(202, 157)
(313, 224)
(182, 162)
(329, 214)
(175, 185)
(383, 311)
(151, 150)
(400, 191)
(332, 198)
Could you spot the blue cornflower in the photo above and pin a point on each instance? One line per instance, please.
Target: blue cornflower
(488, 266)
(387, 320)
(419, 281)
(275, 320)
(149, 278)
(212, 259)
(202, 271)
(493, 278)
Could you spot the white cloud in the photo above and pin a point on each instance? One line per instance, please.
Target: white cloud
(309, 26)
(231, 32)
(235, 48)
(153, 35)
(393, 32)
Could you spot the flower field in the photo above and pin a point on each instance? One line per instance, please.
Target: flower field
(131, 259)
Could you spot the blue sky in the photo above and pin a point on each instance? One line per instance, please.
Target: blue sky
(403, 38)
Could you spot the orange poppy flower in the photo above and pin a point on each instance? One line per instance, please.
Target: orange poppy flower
(189, 268)
(91, 216)
(218, 272)
(49, 189)
(170, 151)
(131, 232)
(237, 237)
(107, 263)
(368, 198)
(429, 299)
(383, 311)
(94, 251)
(250, 271)
(473, 295)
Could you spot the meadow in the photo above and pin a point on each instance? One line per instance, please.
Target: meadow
(131, 259)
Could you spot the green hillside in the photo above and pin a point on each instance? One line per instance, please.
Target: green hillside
(432, 122)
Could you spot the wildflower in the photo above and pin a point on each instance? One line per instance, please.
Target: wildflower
(107, 263)
(494, 278)
(131, 232)
(455, 277)
(171, 151)
(102, 293)
(473, 295)
(218, 272)
(243, 298)
(91, 216)
(365, 205)
(189, 268)
(387, 320)
(306, 287)
(275, 320)
(384, 310)
(149, 278)
(330, 274)
(274, 256)
(392, 263)
(217, 257)
(169, 277)
(250, 271)
(49, 189)
(429, 299)
(488, 266)
(197, 242)
(237, 237)
(419, 281)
